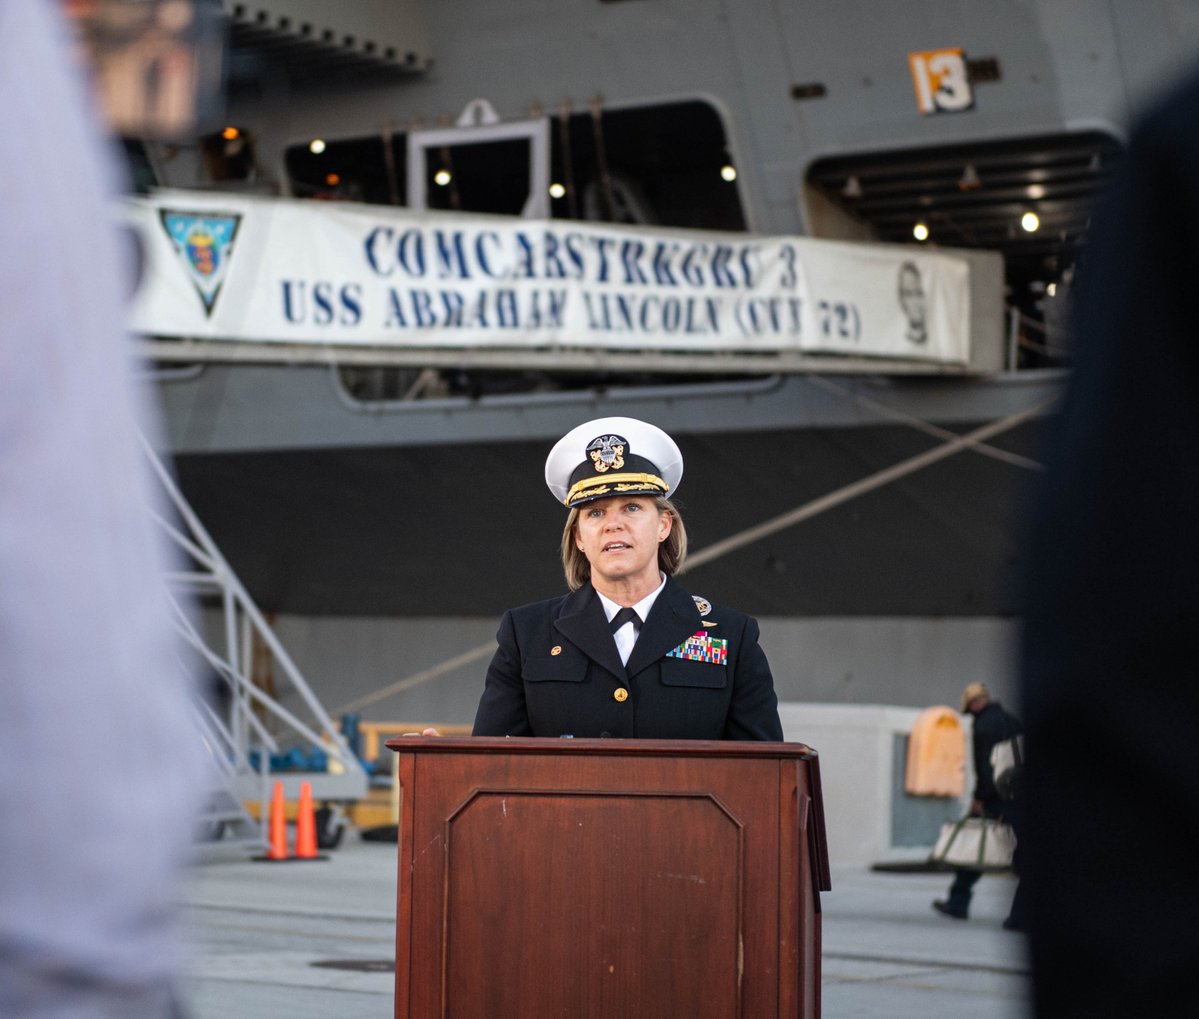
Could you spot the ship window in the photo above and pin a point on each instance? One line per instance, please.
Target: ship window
(488, 177)
(648, 164)
(653, 164)
(356, 170)
(486, 167)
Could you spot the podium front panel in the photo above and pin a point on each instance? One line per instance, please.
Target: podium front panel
(623, 898)
(630, 881)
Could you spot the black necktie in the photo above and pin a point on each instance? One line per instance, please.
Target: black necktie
(624, 616)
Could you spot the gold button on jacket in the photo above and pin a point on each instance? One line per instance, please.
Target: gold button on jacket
(621, 694)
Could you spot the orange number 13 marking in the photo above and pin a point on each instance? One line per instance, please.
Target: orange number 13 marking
(939, 77)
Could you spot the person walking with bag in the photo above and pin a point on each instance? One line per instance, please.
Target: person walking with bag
(992, 725)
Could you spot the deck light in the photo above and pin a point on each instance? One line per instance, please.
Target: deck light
(1030, 221)
(316, 146)
(557, 190)
(728, 172)
(920, 231)
(441, 178)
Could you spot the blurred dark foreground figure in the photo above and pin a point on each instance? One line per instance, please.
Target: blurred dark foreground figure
(1111, 657)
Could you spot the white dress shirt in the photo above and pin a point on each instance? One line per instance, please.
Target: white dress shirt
(627, 635)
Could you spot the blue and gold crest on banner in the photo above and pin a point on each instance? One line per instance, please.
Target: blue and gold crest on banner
(203, 242)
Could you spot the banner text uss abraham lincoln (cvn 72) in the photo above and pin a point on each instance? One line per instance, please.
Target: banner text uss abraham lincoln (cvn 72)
(256, 269)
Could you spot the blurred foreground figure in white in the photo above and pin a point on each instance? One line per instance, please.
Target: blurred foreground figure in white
(99, 761)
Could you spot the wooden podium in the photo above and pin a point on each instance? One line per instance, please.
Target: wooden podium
(608, 878)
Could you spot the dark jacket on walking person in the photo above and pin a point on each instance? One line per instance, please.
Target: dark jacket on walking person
(992, 724)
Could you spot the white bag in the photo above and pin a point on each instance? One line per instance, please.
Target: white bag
(975, 843)
(1007, 757)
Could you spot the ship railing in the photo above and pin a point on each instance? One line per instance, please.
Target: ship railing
(1054, 341)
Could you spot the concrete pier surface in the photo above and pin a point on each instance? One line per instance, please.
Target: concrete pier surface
(316, 940)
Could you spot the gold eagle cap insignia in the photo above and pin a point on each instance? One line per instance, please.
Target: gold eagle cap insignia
(607, 452)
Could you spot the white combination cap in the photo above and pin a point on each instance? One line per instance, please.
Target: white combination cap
(613, 456)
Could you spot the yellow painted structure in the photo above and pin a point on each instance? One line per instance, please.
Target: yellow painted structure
(936, 763)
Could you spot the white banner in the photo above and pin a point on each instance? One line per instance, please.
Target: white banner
(229, 267)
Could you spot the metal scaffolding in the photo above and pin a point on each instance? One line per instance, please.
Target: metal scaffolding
(245, 727)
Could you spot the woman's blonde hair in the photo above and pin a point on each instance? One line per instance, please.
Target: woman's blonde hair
(672, 551)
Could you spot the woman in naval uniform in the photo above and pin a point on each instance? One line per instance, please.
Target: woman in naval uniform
(628, 653)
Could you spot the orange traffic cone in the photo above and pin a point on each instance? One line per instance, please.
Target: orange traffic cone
(305, 825)
(277, 825)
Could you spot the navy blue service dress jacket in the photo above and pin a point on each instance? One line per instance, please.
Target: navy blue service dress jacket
(557, 673)
(991, 725)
